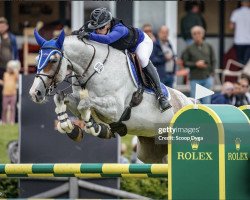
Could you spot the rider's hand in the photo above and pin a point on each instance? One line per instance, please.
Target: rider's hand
(76, 32)
(82, 35)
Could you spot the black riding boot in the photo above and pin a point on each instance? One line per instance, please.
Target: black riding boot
(152, 74)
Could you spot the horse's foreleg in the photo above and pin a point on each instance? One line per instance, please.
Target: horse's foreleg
(99, 129)
(104, 106)
(65, 125)
(72, 102)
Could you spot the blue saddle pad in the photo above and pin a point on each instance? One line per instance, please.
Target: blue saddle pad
(137, 81)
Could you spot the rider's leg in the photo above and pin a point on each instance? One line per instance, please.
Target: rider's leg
(143, 51)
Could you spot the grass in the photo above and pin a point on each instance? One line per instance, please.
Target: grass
(7, 134)
(8, 186)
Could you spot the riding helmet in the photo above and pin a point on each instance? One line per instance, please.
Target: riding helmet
(99, 18)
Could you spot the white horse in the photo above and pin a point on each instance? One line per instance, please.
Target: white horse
(109, 92)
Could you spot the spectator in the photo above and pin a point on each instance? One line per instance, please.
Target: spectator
(134, 158)
(147, 28)
(225, 96)
(163, 57)
(8, 50)
(9, 82)
(237, 99)
(244, 83)
(199, 57)
(240, 22)
(123, 159)
(191, 19)
(237, 89)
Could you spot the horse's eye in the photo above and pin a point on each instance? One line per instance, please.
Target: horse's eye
(54, 60)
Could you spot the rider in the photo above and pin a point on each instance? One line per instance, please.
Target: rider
(114, 32)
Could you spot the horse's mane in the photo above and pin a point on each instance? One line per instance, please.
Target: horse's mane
(73, 39)
(81, 51)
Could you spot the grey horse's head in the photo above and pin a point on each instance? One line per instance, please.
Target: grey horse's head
(51, 67)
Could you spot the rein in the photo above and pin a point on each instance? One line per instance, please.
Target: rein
(83, 85)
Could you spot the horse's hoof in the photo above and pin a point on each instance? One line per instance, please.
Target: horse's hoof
(77, 134)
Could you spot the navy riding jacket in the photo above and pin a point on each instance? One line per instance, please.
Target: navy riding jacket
(118, 31)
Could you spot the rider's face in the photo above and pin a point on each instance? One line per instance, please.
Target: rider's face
(103, 30)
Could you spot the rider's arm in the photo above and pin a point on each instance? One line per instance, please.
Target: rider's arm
(116, 33)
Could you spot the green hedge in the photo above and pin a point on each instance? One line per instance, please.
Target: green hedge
(9, 188)
(155, 188)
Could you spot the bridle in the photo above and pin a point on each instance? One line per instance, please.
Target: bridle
(80, 78)
(53, 83)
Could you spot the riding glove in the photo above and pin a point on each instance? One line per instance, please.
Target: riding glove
(82, 35)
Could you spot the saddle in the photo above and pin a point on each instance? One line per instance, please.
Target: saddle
(143, 79)
(140, 79)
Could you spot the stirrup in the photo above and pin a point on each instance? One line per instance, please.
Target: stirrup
(168, 106)
(163, 110)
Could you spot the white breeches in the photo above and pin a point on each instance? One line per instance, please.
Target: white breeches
(144, 50)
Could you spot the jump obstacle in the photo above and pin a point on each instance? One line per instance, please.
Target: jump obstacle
(215, 165)
(208, 157)
(246, 110)
(84, 170)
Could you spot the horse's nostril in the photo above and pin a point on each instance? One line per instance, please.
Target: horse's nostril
(38, 93)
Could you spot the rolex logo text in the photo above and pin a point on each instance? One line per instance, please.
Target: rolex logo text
(194, 156)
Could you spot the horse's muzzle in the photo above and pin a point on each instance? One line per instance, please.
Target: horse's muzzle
(37, 96)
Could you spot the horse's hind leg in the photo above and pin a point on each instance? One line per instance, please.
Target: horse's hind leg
(149, 152)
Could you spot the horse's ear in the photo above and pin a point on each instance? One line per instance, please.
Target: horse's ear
(60, 39)
(39, 39)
